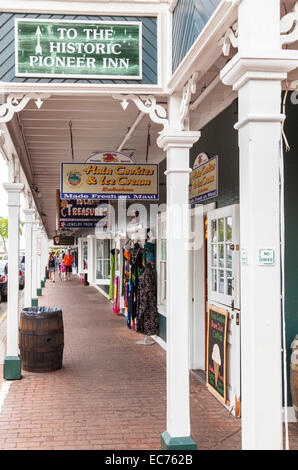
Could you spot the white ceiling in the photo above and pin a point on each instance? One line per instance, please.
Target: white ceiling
(98, 124)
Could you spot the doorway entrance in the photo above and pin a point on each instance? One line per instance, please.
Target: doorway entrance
(215, 274)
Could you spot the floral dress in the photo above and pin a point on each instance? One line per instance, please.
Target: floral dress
(147, 315)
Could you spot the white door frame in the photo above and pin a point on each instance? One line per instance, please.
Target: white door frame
(230, 303)
(197, 293)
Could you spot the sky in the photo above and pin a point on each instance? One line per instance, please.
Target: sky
(3, 196)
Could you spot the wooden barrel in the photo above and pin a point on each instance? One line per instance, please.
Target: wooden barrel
(294, 375)
(41, 339)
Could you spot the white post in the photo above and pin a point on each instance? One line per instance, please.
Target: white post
(91, 258)
(177, 144)
(257, 72)
(29, 214)
(45, 246)
(34, 263)
(38, 260)
(12, 363)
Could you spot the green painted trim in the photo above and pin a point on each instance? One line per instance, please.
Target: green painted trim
(39, 292)
(12, 368)
(177, 443)
(41, 284)
(34, 303)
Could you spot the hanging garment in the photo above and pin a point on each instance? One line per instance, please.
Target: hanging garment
(147, 315)
(150, 254)
(112, 275)
(116, 306)
(126, 276)
(136, 267)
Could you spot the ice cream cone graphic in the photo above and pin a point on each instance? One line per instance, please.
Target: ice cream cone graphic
(216, 371)
(216, 362)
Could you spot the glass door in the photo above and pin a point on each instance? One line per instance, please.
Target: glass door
(223, 256)
(223, 248)
(103, 260)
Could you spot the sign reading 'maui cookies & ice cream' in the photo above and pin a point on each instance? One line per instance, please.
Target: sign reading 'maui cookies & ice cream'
(78, 49)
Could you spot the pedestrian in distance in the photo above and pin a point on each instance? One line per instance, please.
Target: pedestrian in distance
(68, 260)
(52, 266)
(63, 269)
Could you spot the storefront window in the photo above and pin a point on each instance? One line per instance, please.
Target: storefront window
(103, 259)
(221, 255)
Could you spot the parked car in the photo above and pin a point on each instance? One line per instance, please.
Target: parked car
(3, 281)
(21, 276)
(4, 269)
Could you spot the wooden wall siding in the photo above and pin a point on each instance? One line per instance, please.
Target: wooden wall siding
(7, 49)
(189, 19)
(220, 138)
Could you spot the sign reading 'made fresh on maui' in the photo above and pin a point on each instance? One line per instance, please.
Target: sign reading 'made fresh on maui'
(77, 49)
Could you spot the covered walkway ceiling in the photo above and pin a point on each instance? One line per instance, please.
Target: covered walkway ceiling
(99, 123)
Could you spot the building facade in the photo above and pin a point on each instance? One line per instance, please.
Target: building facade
(197, 87)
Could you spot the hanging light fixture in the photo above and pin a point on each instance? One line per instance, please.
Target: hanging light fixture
(71, 140)
(148, 142)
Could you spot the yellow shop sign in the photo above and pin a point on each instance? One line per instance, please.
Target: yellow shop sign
(109, 181)
(204, 182)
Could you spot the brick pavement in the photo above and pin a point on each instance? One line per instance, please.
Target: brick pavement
(111, 392)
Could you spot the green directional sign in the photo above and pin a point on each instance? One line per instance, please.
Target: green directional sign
(78, 49)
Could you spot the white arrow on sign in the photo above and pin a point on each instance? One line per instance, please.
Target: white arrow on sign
(38, 34)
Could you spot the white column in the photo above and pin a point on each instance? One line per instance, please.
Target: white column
(45, 250)
(13, 191)
(29, 214)
(38, 256)
(91, 258)
(177, 144)
(258, 80)
(34, 259)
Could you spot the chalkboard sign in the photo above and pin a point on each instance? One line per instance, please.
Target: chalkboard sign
(216, 351)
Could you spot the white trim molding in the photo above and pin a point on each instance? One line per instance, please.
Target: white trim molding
(229, 39)
(182, 139)
(289, 35)
(188, 90)
(16, 103)
(258, 65)
(87, 7)
(157, 113)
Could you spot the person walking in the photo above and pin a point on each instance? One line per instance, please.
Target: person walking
(52, 266)
(68, 260)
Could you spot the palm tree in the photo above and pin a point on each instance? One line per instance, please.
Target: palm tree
(4, 231)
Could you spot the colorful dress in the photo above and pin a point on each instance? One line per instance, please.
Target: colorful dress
(146, 309)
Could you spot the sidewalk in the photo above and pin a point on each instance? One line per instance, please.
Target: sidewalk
(111, 392)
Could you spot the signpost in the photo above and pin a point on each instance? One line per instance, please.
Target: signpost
(109, 181)
(78, 49)
(216, 352)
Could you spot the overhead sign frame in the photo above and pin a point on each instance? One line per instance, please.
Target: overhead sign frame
(38, 48)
